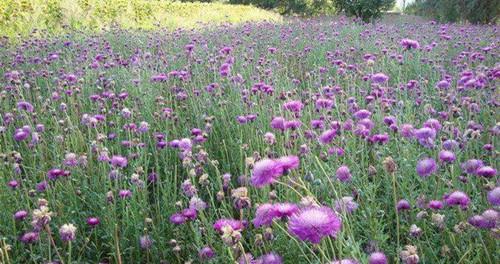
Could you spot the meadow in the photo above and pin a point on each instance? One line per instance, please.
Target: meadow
(309, 141)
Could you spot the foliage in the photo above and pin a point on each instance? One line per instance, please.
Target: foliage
(473, 11)
(364, 9)
(290, 7)
(22, 16)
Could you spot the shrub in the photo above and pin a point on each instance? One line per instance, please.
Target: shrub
(364, 9)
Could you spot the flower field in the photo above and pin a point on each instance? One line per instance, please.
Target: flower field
(309, 141)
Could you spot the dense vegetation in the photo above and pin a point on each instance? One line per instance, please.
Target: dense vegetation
(473, 11)
(22, 17)
(308, 141)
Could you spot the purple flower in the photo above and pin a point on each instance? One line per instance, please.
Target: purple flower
(343, 174)
(20, 215)
(443, 84)
(377, 258)
(379, 78)
(327, 136)
(145, 242)
(288, 162)
(190, 213)
(125, 194)
(278, 123)
(265, 171)
(67, 232)
(362, 114)
(13, 184)
(293, 124)
(346, 204)
(446, 156)
(323, 103)
(271, 258)
(264, 215)
(234, 224)
(314, 223)
(407, 130)
(494, 196)
(457, 198)
(93, 221)
(23, 105)
(293, 106)
(471, 166)
(426, 167)
(118, 161)
(206, 253)
(409, 44)
(177, 219)
(29, 237)
(435, 204)
(345, 261)
(487, 172)
(403, 205)
(20, 135)
(488, 219)
(285, 209)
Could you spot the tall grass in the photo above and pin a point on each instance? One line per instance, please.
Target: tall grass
(21, 17)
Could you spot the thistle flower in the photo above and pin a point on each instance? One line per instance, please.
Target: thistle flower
(379, 78)
(234, 224)
(67, 232)
(206, 253)
(293, 106)
(327, 136)
(41, 217)
(345, 261)
(125, 194)
(426, 167)
(494, 196)
(93, 221)
(435, 205)
(264, 215)
(471, 166)
(446, 156)
(29, 237)
(377, 258)
(486, 171)
(177, 219)
(285, 209)
(457, 198)
(118, 161)
(20, 215)
(343, 174)
(403, 205)
(313, 223)
(346, 204)
(270, 258)
(265, 171)
(145, 242)
(409, 44)
(409, 255)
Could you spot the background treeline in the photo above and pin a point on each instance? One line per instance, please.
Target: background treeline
(473, 11)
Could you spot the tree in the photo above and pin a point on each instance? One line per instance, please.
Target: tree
(364, 9)
(474, 11)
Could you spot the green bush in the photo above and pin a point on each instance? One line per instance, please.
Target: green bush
(364, 9)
